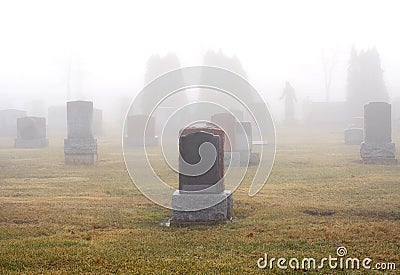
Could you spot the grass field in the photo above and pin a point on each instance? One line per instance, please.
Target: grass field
(57, 219)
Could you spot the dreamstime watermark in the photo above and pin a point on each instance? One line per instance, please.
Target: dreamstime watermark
(167, 105)
(339, 261)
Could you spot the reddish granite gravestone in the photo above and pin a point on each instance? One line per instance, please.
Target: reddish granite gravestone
(201, 198)
(31, 132)
(227, 123)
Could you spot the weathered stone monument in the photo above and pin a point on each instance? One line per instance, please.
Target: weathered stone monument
(80, 148)
(353, 136)
(31, 132)
(8, 122)
(378, 147)
(135, 137)
(201, 198)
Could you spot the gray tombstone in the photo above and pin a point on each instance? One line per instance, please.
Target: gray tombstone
(353, 136)
(378, 147)
(8, 122)
(201, 198)
(189, 148)
(140, 130)
(243, 146)
(80, 148)
(31, 132)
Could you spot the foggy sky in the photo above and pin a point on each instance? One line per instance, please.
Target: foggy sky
(107, 44)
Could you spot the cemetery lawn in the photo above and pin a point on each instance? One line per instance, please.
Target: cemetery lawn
(57, 219)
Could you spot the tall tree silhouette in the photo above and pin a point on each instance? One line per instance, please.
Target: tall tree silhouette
(365, 81)
(219, 59)
(158, 65)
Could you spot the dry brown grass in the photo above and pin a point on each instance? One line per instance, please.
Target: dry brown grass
(58, 219)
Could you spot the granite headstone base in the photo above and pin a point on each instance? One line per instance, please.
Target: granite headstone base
(353, 136)
(80, 159)
(378, 153)
(80, 151)
(132, 141)
(220, 212)
(31, 143)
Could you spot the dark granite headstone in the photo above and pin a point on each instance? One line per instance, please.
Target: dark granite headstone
(31, 132)
(378, 147)
(189, 148)
(201, 198)
(209, 129)
(377, 122)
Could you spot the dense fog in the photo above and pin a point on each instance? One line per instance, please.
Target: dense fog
(55, 51)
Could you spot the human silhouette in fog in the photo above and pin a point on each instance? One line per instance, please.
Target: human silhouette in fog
(290, 98)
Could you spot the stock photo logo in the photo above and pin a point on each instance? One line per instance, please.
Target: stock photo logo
(197, 131)
(340, 261)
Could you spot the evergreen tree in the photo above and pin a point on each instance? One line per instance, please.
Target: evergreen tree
(158, 65)
(364, 81)
(219, 59)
